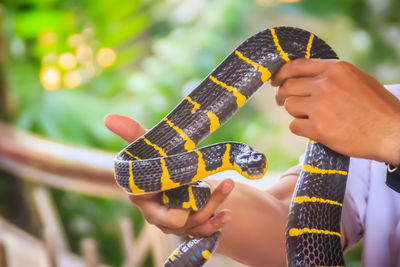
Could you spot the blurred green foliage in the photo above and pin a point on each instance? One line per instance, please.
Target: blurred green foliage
(163, 49)
(97, 218)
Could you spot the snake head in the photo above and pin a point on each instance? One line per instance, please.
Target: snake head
(251, 164)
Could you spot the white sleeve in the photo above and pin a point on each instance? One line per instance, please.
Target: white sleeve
(355, 200)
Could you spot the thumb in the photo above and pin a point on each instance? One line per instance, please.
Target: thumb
(127, 128)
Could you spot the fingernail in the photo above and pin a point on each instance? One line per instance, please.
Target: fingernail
(227, 187)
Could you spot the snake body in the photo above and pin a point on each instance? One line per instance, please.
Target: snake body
(165, 159)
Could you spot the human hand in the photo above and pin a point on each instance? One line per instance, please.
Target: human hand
(174, 221)
(335, 103)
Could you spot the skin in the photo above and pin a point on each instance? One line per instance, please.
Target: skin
(261, 244)
(332, 102)
(335, 103)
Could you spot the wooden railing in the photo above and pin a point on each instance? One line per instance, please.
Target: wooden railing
(56, 165)
(47, 164)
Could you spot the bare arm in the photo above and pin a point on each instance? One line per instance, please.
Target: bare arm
(255, 235)
(253, 221)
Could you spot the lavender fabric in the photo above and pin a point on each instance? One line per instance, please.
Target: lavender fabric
(371, 210)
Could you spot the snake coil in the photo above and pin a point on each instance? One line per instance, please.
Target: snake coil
(165, 159)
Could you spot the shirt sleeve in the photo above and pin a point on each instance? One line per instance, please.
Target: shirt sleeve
(356, 200)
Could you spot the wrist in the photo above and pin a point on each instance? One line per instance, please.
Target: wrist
(392, 155)
(390, 146)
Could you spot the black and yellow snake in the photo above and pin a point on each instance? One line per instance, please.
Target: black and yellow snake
(165, 159)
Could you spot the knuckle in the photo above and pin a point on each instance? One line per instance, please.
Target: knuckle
(342, 64)
(274, 81)
(293, 127)
(289, 83)
(295, 64)
(280, 97)
(338, 67)
(287, 107)
(288, 103)
(277, 98)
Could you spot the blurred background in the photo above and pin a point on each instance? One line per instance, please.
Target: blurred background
(64, 65)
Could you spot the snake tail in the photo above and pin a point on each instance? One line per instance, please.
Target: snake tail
(194, 252)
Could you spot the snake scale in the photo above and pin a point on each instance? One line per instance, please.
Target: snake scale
(165, 159)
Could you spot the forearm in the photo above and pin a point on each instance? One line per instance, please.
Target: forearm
(255, 235)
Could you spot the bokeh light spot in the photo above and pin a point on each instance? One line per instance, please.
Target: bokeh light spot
(74, 40)
(67, 61)
(50, 59)
(50, 77)
(72, 79)
(106, 57)
(84, 53)
(47, 38)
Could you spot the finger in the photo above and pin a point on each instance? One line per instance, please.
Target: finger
(294, 87)
(303, 127)
(125, 127)
(158, 214)
(212, 225)
(298, 106)
(300, 68)
(218, 196)
(205, 229)
(138, 199)
(170, 231)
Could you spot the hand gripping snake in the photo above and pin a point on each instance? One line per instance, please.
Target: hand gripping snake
(165, 159)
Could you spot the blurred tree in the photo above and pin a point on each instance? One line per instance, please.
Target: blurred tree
(71, 62)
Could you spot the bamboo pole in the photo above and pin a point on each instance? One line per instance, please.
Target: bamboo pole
(89, 252)
(135, 250)
(128, 242)
(49, 219)
(50, 247)
(23, 249)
